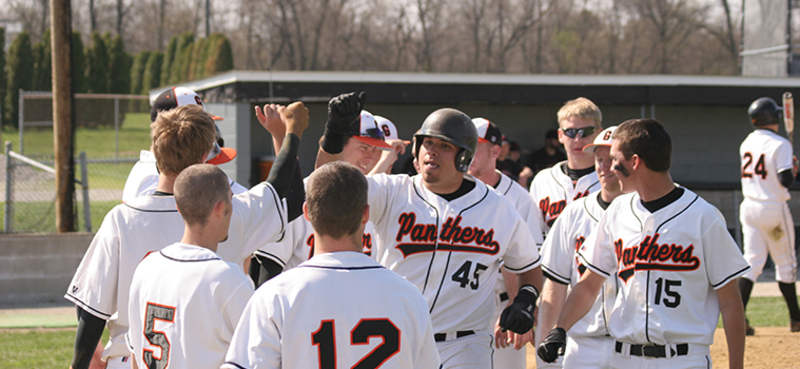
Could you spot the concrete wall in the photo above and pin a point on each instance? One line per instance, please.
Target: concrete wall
(37, 269)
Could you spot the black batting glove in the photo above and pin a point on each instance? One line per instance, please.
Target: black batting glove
(343, 110)
(553, 345)
(518, 317)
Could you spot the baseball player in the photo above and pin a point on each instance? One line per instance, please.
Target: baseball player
(483, 167)
(362, 141)
(588, 343)
(768, 171)
(446, 233)
(386, 158)
(143, 178)
(340, 308)
(672, 257)
(100, 287)
(187, 283)
(554, 188)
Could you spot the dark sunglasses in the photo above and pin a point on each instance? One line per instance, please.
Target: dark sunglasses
(573, 132)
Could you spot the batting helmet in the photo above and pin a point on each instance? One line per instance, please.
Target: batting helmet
(454, 127)
(764, 111)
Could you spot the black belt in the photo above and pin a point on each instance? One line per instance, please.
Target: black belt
(504, 296)
(653, 350)
(439, 337)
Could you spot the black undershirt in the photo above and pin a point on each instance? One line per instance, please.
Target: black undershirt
(162, 193)
(576, 174)
(466, 185)
(663, 201)
(603, 203)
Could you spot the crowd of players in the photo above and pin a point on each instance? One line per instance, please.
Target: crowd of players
(354, 267)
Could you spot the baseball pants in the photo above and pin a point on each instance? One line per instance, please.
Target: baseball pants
(588, 352)
(119, 362)
(469, 352)
(767, 227)
(508, 358)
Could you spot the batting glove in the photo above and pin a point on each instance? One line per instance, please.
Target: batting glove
(553, 345)
(343, 110)
(518, 317)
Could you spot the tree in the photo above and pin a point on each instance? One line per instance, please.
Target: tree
(42, 80)
(3, 80)
(179, 70)
(152, 72)
(20, 73)
(97, 68)
(78, 64)
(137, 71)
(169, 57)
(199, 55)
(220, 56)
(119, 66)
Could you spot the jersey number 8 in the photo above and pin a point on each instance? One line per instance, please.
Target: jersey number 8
(325, 340)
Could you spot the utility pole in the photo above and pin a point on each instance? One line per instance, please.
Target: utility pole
(61, 39)
(208, 18)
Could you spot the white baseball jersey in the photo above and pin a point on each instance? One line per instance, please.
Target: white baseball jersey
(552, 190)
(764, 154)
(143, 179)
(450, 250)
(560, 261)
(339, 309)
(299, 241)
(668, 265)
(130, 231)
(185, 303)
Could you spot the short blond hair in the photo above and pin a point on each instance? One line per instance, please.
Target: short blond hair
(181, 137)
(582, 108)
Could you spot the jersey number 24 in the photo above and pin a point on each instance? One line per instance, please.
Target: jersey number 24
(760, 168)
(325, 340)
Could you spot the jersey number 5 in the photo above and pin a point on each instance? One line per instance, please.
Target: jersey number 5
(157, 338)
(325, 340)
(760, 168)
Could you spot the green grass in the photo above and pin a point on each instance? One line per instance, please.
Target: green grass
(39, 217)
(768, 312)
(41, 349)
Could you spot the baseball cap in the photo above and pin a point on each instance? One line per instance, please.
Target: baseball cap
(366, 130)
(488, 131)
(224, 154)
(175, 97)
(388, 128)
(603, 139)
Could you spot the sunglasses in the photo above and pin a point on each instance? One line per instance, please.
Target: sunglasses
(213, 152)
(573, 132)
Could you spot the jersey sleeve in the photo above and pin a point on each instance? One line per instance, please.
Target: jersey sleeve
(531, 215)
(534, 193)
(262, 219)
(381, 187)
(257, 339)
(597, 252)
(522, 254)
(558, 252)
(94, 285)
(722, 258)
(783, 157)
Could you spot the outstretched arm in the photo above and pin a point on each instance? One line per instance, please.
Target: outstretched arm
(730, 305)
(284, 169)
(343, 110)
(90, 329)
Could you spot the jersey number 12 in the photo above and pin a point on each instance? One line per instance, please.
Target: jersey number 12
(325, 340)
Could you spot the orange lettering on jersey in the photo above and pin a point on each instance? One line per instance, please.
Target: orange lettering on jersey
(366, 244)
(551, 211)
(453, 237)
(650, 255)
(581, 194)
(578, 244)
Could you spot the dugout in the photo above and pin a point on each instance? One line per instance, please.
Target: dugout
(705, 115)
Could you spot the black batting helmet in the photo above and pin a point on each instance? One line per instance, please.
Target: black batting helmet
(454, 127)
(764, 111)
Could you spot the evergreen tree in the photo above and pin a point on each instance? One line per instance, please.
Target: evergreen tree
(169, 57)
(220, 56)
(137, 71)
(20, 75)
(78, 64)
(152, 72)
(179, 71)
(3, 81)
(196, 67)
(119, 77)
(97, 67)
(43, 66)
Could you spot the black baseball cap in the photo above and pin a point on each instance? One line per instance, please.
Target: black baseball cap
(175, 97)
(488, 131)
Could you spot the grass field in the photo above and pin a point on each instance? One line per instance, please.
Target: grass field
(52, 348)
(39, 217)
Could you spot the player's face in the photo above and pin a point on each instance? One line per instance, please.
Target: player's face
(484, 160)
(437, 161)
(360, 154)
(602, 165)
(621, 167)
(574, 145)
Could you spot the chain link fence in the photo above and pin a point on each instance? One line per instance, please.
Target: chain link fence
(110, 129)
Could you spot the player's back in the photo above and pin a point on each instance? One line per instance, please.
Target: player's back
(185, 303)
(335, 310)
(763, 154)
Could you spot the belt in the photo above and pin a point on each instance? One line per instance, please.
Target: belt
(504, 296)
(653, 350)
(439, 337)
